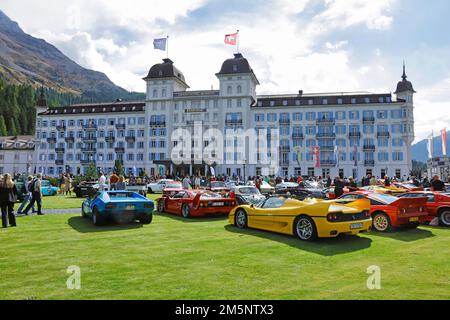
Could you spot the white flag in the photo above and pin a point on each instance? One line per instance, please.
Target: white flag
(160, 44)
(430, 146)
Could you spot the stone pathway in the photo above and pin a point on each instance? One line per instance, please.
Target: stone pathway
(56, 211)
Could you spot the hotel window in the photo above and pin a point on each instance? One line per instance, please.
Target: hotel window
(239, 103)
(272, 117)
(298, 116)
(353, 115)
(229, 90)
(310, 130)
(164, 93)
(297, 102)
(368, 129)
(155, 93)
(340, 115)
(229, 103)
(101, 122)
(239, 89)
(383, 142)
(44, 124)
(367, 100)
(380, 99)
(339, 101)
(310, 116)
(325, 101)
(310, 102)
(111, 122)
(285, 103)
(397, 156)
(259, 117)
(341, 129)
(382, 114)
(272, 103)
(397, 142)
(341, 143)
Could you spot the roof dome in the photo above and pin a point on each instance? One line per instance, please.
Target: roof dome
(165, 70)
(404, 85)
(238, 64)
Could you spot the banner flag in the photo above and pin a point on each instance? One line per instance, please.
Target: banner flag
(160, 44)
(231, 39)
(444, 141)
(430, 146)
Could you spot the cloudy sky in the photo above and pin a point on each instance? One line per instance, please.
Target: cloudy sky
(314, 45)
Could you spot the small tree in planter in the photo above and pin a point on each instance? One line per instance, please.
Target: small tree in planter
(118, 168)
(91, 171)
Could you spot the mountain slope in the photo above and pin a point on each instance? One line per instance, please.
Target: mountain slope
(28, 60)
(420, 149)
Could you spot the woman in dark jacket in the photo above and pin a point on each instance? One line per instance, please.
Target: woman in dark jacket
(8, 197)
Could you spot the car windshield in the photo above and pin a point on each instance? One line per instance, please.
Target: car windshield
(311, 185)
(45, 183)
(248, 190)
(210, 195)
(117, 195)
(218, 184)
(385, 198)
(272, 203)
(173, 186)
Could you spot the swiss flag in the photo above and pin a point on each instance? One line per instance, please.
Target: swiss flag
(231, 39)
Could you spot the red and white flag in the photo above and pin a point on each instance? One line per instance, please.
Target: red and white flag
(316, 152)
(231, 39)
(444, 141)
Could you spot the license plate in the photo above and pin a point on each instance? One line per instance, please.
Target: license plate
(356, 226)
(129, 208)
(414, 219)
(218, 204)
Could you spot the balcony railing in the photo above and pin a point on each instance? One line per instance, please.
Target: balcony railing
(369, 120)
(90, 139)
(90, 126)
(61, 128)
(326, 135)
(51, 140)
(369, 163)
(284, 122)
(59, 162)
(88, 150)
(326, 122)
(121, 126)
(355, 135)
(383, 135)
(284, 163)
(60, 150)
(327, 148)
(233, 122)
(157, 123)
(298, 136)
(328, 163)
(119, 150)
(285, 149)
(86, 161)
(70, 139)
(368, 148)
(130, 139)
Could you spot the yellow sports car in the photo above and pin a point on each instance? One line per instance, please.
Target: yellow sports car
(309, 219)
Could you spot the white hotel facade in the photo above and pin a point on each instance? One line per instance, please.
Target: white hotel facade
(140, 133)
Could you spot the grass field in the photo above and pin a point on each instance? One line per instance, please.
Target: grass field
(208, 259)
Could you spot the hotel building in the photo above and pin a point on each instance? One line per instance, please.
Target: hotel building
(357, 133)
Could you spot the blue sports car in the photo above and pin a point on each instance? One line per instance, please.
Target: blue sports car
(47, 189)
(118, 206)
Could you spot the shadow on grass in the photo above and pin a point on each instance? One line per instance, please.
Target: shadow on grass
(324, 247)
(406, 235)
(193, 219)
(84, 225)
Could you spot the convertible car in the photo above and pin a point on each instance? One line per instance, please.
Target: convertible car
(195, 203)
(438, 205)
(87, 189)
(247, 195)
(384, 190)
(308, 220)
(389, 212)
(118, 206)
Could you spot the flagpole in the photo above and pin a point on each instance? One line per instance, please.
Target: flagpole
(167, 47)
(237, 41)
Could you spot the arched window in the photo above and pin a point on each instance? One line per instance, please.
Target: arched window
(164, 93)
(239, 89)
(229, 90)
(155, 93)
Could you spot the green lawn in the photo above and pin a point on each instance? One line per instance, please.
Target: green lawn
(208, 259)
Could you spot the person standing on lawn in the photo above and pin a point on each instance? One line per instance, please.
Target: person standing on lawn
(120, 185)
(113, 180)
(36, 195)
(67, 185)
(8, 197)
(102, 182)
(27, 195)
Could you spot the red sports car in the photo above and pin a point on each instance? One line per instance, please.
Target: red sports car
(218, 186)
(389, 212)
(438, 205)
(407, 185)
(195, 203)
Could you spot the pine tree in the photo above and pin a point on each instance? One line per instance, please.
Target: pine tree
(3, 130)
(92, 171)
(12, 128)
(118, 168)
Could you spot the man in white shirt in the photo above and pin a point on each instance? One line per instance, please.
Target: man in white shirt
(101, 182)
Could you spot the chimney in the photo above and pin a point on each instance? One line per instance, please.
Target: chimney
(300, 93)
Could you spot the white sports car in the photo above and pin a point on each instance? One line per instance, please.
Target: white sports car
(158, 186)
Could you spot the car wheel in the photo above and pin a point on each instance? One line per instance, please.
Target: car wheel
(240, 219)
(186, 211)
(381, 222)
(97, 219)
(146, 219)
(444, 218)
(305, 229)
(161, 206)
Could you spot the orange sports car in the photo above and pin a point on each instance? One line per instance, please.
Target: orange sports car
(389, 212)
